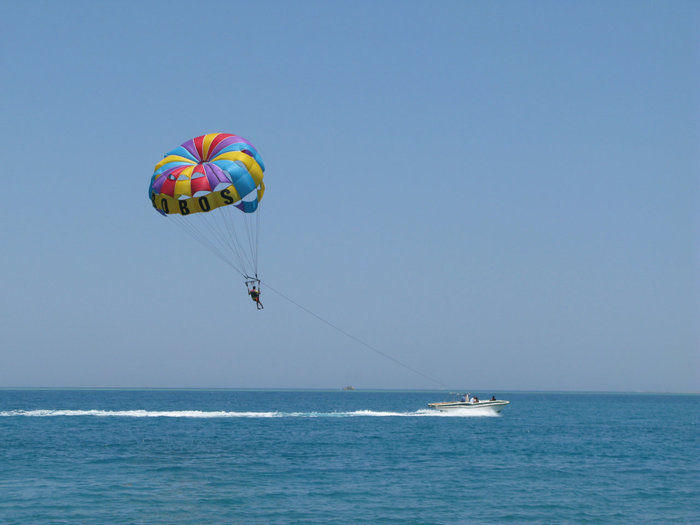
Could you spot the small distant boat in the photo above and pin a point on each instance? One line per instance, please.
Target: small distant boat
(492, 405)
(348, 387)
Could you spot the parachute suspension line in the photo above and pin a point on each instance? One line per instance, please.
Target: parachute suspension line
(218, 233)
(204, 233)
(254, 259)
(247, 241)
(251, 237)
(257, 238)
(253, 224)
(227, 229)
(357, 339)
(196, 234)
(238, 237)
(201, 226)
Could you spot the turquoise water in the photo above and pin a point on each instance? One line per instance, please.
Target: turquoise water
(156, 456)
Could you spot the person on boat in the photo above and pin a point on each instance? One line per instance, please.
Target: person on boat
(474, 400)
(493, 398)
(255, 296)
(464, 397)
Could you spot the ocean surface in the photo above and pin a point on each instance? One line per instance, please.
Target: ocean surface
(231, 456)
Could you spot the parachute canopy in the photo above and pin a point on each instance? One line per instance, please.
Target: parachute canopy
(204, 185)
(206, 173)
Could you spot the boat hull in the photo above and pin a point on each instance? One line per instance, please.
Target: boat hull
(492, 406)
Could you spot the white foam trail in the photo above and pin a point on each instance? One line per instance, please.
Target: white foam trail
(223, 414)
(136, 413)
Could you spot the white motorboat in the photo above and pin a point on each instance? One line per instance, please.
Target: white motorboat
(492, 405)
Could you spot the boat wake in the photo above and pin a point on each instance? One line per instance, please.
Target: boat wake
(200, 414)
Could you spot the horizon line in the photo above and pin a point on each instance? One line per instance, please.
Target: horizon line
(344, 388)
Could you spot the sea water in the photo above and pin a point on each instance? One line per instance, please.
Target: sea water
(226, 456)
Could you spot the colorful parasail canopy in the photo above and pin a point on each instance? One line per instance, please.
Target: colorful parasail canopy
(202, 184)
(207, 172)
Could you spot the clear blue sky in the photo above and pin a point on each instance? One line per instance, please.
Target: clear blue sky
(503, 195)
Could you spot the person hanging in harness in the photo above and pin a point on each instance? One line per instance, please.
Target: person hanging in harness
(255, 296)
